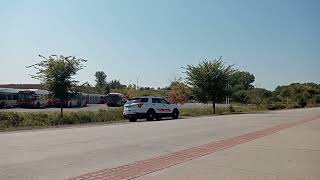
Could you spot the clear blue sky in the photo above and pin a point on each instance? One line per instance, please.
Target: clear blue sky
(276, 40)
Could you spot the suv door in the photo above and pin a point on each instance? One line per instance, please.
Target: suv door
(161, 105)
(165, 106)
(144, 105)
(156, 104)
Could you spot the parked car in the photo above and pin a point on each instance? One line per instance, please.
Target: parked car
(115, 99)
(79, 100)
(149, 107)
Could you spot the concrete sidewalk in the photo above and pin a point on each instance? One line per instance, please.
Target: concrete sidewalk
(291, 154)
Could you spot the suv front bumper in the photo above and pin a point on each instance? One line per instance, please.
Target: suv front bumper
(134, 115)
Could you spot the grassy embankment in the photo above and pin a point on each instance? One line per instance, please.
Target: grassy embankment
(26, 120)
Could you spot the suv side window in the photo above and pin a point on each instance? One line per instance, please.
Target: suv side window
(144, 100)
(163, 101)
(156, 100)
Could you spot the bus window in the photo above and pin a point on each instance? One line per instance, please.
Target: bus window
(3, 97)
(15, 97)
(9, 96)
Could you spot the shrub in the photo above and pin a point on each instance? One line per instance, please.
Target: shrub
(302, 102)
(276, 106)
(317, 98)
(231, 109)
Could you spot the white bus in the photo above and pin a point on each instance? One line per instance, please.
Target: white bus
(95, 99)
(8, 97)
(33, 98)
(79, 100)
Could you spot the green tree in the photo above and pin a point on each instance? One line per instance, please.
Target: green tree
(107, 89)
(101, 83)
(258, 96)
(115, 84)
(57, 73)
(240, 82)
(209, 80)
(240, 96)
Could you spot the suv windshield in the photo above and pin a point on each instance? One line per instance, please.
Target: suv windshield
(113, 97)
(136, 100)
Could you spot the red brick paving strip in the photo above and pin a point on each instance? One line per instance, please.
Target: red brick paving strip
(140, 168)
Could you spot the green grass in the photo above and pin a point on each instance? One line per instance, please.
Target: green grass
(22, 120)
(26, 120)
(205, 111)
(193, 112)
(9, 120)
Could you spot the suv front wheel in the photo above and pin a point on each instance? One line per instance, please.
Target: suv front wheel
(133, 119)
(175, 114)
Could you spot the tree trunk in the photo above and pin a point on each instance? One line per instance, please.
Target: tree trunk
(214, 107)
(61, 108)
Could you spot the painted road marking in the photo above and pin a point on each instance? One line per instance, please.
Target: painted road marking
(140, 168)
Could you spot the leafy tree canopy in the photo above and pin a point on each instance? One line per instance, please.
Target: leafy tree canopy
(101, 83)
(115, 84)
(57, 73)
(209, 80)
(241, 80)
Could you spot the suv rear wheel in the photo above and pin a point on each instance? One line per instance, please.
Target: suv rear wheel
(151, 114)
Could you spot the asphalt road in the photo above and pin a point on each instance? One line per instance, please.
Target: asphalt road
(69, 152)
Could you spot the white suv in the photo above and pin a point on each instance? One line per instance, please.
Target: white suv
(149, 107)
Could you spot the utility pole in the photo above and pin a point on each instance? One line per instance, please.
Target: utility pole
(137, 83)
(227, 97)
